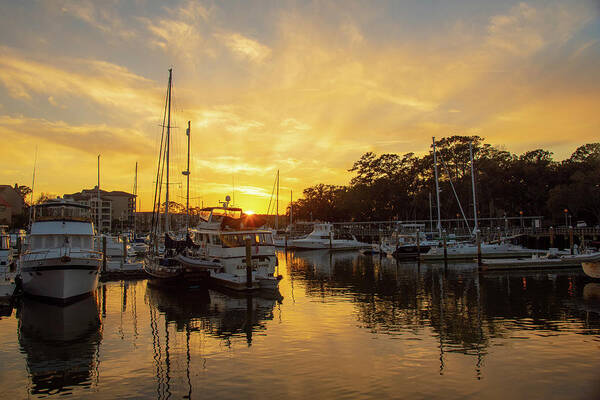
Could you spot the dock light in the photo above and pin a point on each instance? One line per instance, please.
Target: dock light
(566, 211)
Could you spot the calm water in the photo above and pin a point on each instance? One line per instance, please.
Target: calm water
(344, 326)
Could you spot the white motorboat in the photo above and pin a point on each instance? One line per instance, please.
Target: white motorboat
(550, 260)
(468, 251)
(323, 237)
(219, 247)
(60, 262)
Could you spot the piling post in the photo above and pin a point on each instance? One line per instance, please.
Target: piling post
(330, 240)
(104, 254)
(248, 263)
(445, 247)
(571, 239)
(418, 242)
(551, 237)
(478, 239)
(19, 246)
(124, 258)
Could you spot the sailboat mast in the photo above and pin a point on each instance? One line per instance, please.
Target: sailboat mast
(473, 186)
(135, 200)
(187, 174)
(291, 207)
(437, 190)
(98, 197)
(277, 204)
(167, 225)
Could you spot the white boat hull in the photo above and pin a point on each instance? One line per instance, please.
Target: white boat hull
(591, 268)
(61, 280)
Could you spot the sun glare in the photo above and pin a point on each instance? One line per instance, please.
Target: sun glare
(249, 212)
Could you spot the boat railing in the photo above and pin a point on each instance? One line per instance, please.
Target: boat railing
(61, 252)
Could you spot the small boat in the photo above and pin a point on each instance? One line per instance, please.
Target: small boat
(60, 262)
(468, 251)
(591, 266)
(323, 237)
(550, 260)
(115, 246)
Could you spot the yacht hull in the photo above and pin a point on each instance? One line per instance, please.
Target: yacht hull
(60, 279)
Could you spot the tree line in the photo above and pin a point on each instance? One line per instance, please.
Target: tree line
(399, 186)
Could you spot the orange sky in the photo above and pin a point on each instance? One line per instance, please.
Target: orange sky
(303, 87)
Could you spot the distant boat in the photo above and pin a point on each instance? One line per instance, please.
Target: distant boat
(468, 251)
(60, 262)
(547, 261)
(323, 237)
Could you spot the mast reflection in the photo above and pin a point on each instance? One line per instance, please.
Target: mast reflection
(60, 343)
(202, 312)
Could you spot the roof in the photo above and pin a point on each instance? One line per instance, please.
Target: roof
(4, 202)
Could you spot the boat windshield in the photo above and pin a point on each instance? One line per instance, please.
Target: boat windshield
(238, 240)
(74, 212)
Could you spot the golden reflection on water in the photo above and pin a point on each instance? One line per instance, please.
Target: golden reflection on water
(341, 325)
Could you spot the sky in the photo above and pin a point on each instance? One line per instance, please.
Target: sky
(303, 87)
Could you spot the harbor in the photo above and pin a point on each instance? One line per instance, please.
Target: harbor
(409, 325)
(303, 199)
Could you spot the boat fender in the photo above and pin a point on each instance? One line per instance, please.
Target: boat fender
(65, 259)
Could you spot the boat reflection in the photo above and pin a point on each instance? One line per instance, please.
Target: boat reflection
(60, 343)
(220, 314)
(203, 312)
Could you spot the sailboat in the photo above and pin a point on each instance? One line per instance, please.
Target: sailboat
(163, 267)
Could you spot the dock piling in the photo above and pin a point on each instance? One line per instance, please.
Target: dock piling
(104, 254)
(248, 263)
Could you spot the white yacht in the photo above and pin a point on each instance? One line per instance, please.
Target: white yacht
(323, 237)
(219, 246)
(60, 262)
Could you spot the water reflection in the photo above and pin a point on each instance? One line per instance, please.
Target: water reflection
(464, 309)
(202, 311)
(60, 344)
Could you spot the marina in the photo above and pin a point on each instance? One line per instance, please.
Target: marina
(379, 328)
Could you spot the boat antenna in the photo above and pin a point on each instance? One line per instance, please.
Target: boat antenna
(187, 174)
(473, 186)
(437, 190)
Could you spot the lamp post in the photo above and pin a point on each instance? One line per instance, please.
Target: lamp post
(521, 216)
(566, 211)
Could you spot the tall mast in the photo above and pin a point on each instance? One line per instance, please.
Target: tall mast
(187, 174)
(430, 213)
(167, 225)
(473, 186)
(98, 197)
(135, 200)
(437, 191)
(277, 204)
(291, 208)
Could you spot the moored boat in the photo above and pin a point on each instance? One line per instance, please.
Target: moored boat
(323, 237)
(60, 262)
